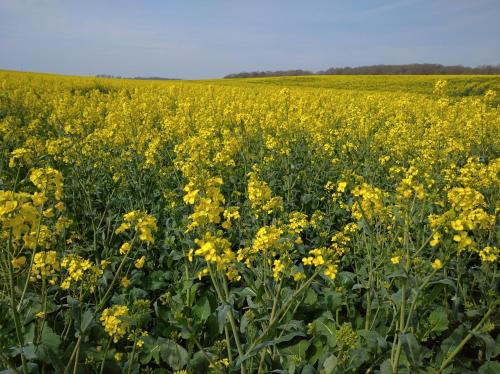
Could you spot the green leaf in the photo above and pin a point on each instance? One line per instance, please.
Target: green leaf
(150, 351)
(173, 354)
(438, 321)
(32, 368)
(386, 367)
(327, 329)
(490, 367)
(330, 365)
(489, 344)
(374, 341)
(358, 358)
(298, 349)
(317, 350)
(311, 297)
(53, 358)
(198, 363)
(50, 339)
(451, 342)
(258, 347)
(86, 320)
(202, 309)
(333, 299)
(411, 349)
(309, 369)
(222, 312)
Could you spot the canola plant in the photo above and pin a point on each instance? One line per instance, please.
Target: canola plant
(249, 226)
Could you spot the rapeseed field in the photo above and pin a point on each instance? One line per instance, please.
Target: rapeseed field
(285, 225)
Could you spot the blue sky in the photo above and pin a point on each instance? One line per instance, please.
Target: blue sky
(203, 39)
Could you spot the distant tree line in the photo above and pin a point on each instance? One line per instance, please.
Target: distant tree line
(140, 78)
(278, 73)
(417, 69)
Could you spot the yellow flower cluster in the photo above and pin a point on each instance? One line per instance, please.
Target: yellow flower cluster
(316, 258)
(260, 195)
(267, 241)
(465, 217)
(222, 363)
(297, 222)
(409, 187)
(80, 270)
(45, 267)
(143, 223)
(208, 204)
(114, 321)
(21, 156)
(278, 267)
(370, 205)
(48, 181)
(218, 251)
(18, 217)
(489, 254)
(230, 214)
(341, 239)
(18, 262)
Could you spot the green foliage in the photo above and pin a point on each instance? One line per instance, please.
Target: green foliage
(288, 225)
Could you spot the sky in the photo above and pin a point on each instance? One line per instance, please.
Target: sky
(194, 39)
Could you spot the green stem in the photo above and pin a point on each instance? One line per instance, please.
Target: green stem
(228, 344)
(131, 361)
(118, 271)
(15, 312)
(402, 319)
(101, 370)
(232, 321)
(278, 314)
(73, 354)
(75, 366)
(9, 363)
(273, 310)
(197, 343)
(32, 260)
(464, 341)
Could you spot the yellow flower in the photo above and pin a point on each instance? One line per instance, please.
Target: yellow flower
(45, 266)
(143, 223)
(307, 260)
(489, 254)
(18, 262)
(40, 315)
(202, 273)
(140, 262)
(118, 356)
(395, 260)
(341, 186)
(436, 237)
(125, 282)
(190, 196)
(82, 270)
(331, 271)
(278, 268)
(298, 276)
(114, 321)
(125, 248)
(437, 264)
(122, 228)
(457, 225)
